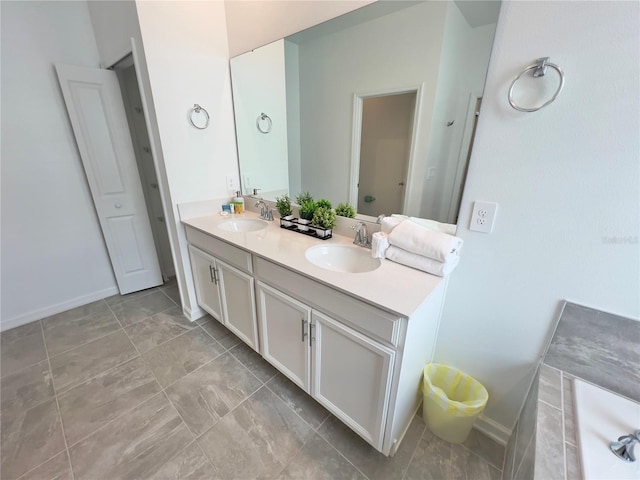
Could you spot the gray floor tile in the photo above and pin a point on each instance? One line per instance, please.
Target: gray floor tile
(218, 331)
(435, 459)
(485, 447)
(173, 293)
(21, 349)
(118, 299)
(297, 400)
(26, 388)
(132, 311)
(320, 461)
(21, 331)
(182, 355)
(91, 309)
(158, 329)
(188, 464)
(209, 393)
(254, 362)
(29, 438)
(257, 439)
(92, 404)
(368, 460)
(57, 468)
(80, 364)
(65, 335)
(136, 445)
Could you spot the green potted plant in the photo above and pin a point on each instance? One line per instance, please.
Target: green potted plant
(325, 218)
(306, 214)
(324, 203)
(345, 210)
(283, 204)
(304, 197)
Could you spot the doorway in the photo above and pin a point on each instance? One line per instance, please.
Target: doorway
(127, 78)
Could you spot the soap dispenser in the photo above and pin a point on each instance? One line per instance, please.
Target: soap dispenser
(238, 202)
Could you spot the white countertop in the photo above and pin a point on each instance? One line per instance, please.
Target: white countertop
(392, 286)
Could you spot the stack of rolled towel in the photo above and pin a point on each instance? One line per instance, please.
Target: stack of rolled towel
(418, 243)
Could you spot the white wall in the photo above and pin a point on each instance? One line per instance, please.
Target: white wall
(259, 86)
(53, 252)
(331, 73)
(252, 23)
(185, 44)
(565, 179)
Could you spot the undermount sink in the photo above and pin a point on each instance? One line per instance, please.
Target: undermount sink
(342, 258)
(243, 225)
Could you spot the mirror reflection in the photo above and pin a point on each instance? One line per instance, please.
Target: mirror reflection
(377, 107)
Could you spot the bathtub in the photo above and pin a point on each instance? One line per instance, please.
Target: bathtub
(602, 417)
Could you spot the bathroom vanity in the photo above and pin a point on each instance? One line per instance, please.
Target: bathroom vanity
(355, 342)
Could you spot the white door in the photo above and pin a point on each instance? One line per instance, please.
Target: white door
(238, 303)
(284, 334)
(205, 278)
(351, 377)
(100, 126)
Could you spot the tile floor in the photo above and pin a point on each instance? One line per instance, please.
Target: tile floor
(126, 388)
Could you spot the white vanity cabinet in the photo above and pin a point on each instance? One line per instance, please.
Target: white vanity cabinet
(225, 291)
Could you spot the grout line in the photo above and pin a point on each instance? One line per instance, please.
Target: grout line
(481, 457)
(160, 289)
(413, 454)
(552, 406)
(55, 396)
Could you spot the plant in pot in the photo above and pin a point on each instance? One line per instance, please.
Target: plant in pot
(283, 204)
(324, 203)
(304, 197)
(325, 218)
(306, 214)
(345, 210)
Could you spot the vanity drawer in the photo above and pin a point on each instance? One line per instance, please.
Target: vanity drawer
(232, 255)
(370, 320)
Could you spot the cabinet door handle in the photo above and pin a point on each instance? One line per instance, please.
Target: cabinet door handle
(215, 276)
(311, 337)
(304, 333)
(211, 274)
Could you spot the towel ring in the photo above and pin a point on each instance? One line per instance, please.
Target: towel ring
(198, 109)
(262, 117)
(540, 69)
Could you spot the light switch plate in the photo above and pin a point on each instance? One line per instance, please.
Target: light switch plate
(483, 216)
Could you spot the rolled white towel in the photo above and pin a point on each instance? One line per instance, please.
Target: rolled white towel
(429, 265)
(389, 223)
(379, 243)
(417, 239)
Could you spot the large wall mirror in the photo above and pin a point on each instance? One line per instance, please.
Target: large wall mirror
(377, 107)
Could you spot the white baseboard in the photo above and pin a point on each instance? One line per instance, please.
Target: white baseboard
(193, 314)
(493, 429)
(57, 308)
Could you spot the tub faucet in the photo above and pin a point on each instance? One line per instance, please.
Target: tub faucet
(265, 212)
(623, 448)
(362, 237)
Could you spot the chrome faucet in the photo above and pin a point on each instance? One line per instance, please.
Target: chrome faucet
(362, 236)
(623, 448)
(265, 212)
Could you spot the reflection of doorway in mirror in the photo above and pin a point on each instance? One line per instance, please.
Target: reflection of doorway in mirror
(385, 148)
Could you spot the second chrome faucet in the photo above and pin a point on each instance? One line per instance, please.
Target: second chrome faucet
(362, 236)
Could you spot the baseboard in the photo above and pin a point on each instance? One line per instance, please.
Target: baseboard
(493, 429)
(57, 308)
(193, 314)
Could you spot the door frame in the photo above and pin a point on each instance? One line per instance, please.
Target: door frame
(358, 101)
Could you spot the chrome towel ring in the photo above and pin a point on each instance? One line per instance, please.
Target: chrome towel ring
(539, 70)
(261, 118)
(198, 123)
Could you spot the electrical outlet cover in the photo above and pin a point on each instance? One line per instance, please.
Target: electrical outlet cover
(483, 216)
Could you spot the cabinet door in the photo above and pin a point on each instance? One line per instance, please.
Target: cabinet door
(238, 303)
(284, 334)
(206, 281)
(351, 377)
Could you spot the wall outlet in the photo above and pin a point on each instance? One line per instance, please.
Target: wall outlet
(483, 216)
(231, 183)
